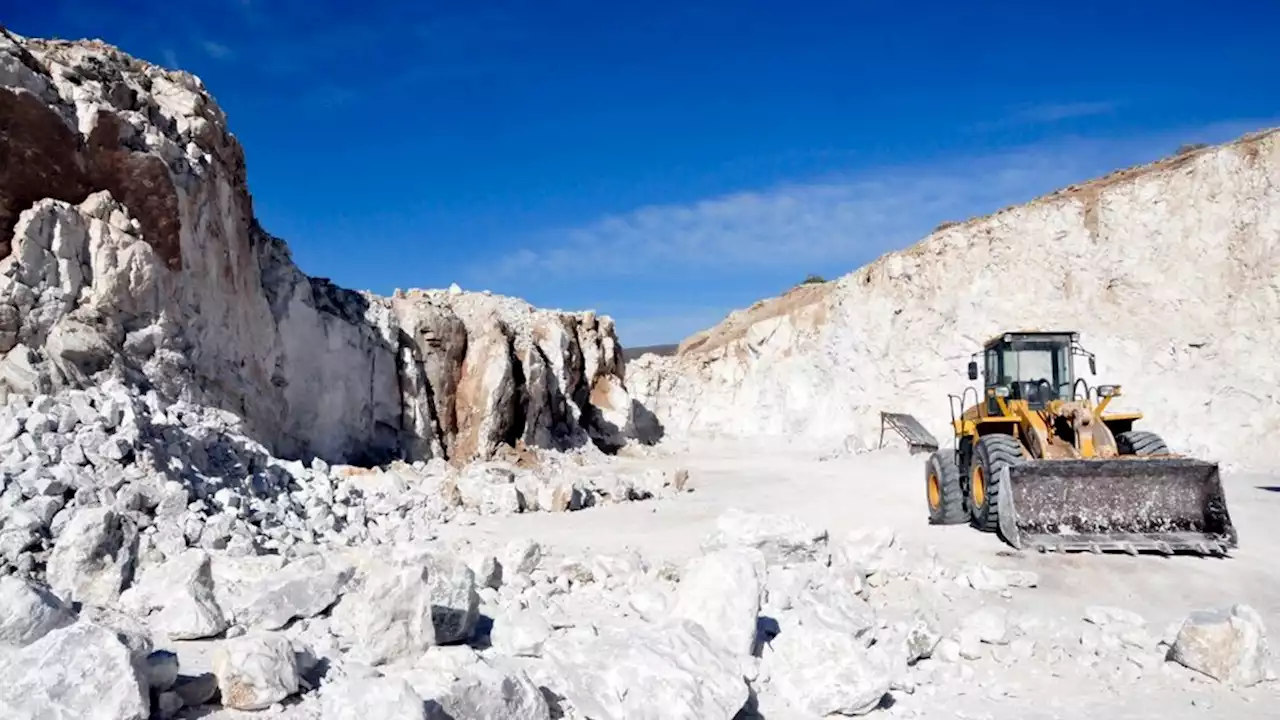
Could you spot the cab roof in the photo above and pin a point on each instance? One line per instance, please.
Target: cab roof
(997, 339)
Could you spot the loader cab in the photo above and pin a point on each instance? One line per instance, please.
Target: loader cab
(1033, 366)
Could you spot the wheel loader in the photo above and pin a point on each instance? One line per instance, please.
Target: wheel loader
(1039, 460)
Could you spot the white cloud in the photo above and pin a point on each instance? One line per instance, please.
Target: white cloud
(216, 50)
(672, 270)
(824, 222)
(1048, 113)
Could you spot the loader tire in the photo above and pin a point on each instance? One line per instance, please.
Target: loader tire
(1140, 442)
(942, 489)
(990, 454)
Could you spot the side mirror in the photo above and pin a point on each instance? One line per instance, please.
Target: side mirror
(1093, 366)
(973, 370)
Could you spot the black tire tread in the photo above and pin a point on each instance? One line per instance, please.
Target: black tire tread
(1000, 450)
(1141, 442)
(953, 510)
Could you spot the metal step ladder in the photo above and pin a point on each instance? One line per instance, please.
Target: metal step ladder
(918, 439)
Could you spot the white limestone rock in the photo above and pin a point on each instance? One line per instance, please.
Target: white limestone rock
(1227, 644)
(487, 570)
(28, 612)
(93, 557)
(176, 598)
(819, 672)
(484, 690)
(389, 617)
(989, 624)
(721, 592)
(303, 588)
(864, 551)
(782, 539)
(651, 602)
(657, 672)
(831, 601)
(255, 671)
(1103, 615)
(80, 670)
(364, 698)
(520, 632)
(521, 556)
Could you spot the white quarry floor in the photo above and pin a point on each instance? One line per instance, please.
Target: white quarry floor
(886, 488)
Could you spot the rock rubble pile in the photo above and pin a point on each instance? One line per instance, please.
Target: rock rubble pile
(96, 480)
(771, 619)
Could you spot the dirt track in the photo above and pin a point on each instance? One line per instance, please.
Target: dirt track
(886, 488)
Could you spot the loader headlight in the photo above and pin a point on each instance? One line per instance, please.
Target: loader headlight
(1108, 390)
(1002, 391)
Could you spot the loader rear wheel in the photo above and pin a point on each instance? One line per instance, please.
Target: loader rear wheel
(991, 453)
(942, 489)
(1140, 442)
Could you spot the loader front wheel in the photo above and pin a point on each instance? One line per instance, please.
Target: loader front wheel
(1141, 442)
(942, 489)
(991, 453)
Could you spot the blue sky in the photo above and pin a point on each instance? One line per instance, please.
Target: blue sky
(667, 163)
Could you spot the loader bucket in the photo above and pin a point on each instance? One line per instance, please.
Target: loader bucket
(1130, 504)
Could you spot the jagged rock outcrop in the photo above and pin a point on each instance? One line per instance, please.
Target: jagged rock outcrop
(129, 248)
(1170, 272)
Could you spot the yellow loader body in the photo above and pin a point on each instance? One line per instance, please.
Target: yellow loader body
(1047, 467)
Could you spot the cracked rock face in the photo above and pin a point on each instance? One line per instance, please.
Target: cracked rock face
(129, 249)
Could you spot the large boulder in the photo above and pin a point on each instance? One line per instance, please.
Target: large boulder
(83, 670)
(781, 538)
(721, 592)
(352, 698)
(402, 607)
(93, 558)
(1227, 644)
(255, 671)
(821, 672)
(28, 612)
(177, 598)
(301, 589)
(672, 671)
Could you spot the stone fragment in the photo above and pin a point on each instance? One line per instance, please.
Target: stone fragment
(721, 592)
(177, 598)
(378, 698)
(520, 633)
(28, 612)
(93, 557)
(658, 672)
(390, 617)
(1227, 644)
(782, 539)
(83, 670)
(255, 671)
(825, 673)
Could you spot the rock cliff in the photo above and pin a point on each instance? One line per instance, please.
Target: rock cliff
(1170, 272)
(129, 248)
